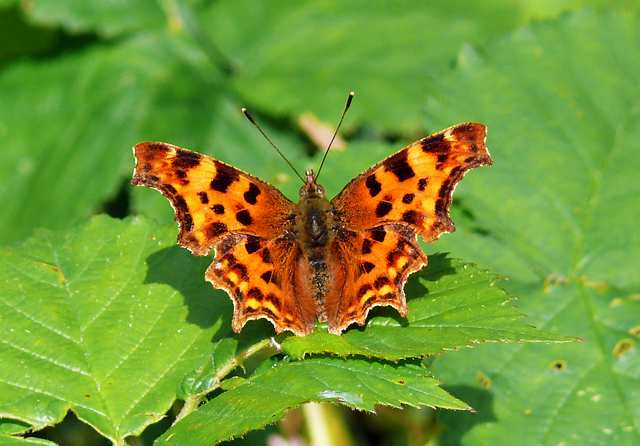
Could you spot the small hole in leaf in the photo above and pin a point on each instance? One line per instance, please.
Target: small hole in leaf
(484, 380)
(552, 281)
(616, 302)
(559, 365)
(623, 347)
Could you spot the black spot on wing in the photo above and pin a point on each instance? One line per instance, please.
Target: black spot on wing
(422, 184)
(435, 144)
(378, 234)
(408, 198)
(373, 185)
(252, 245)
(225, 175)
(186, 159)
(251, 195)
(412, 217)
(388, 296)
(274, 301)
(244, 217)
(442, 159)
(399, 166)
(154, 149)
(204, 198)
(230, 259)
(218, 209)
(366, 246)
(383, 208)
(440, 207)
(266, 276)
(216, 229)
(393, 256)
(367, 266)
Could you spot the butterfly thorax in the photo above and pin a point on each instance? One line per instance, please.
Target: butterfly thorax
(314, 219)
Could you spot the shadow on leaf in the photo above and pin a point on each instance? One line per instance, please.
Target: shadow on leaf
(438, 267)
(457, 424)
(184, 273)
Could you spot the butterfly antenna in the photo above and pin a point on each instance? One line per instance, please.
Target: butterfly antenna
(344, 112)
(253, 121)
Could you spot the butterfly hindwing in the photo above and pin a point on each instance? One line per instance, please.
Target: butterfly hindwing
(260, 277)
(375, 264)
(211, 199)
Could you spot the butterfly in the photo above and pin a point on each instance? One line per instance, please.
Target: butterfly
(332, 261)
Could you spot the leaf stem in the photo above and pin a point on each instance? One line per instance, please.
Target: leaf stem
(325, 425)
(268, 346)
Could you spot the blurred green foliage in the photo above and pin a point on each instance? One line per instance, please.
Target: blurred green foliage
(81, 81)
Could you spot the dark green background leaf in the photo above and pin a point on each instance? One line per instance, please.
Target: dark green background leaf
(70, 124)
(105, 17)
(559, 216)
(293, 57)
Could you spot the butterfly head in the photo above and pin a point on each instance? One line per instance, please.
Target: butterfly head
(311, 189)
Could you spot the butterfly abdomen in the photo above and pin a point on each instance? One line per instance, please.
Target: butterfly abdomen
(314, 223)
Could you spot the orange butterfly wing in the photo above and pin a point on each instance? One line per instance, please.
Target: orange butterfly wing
(245, 219)
(384, 209)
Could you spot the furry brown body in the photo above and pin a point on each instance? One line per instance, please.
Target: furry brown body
(314, 233)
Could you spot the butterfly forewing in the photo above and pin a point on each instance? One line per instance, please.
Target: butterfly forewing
(414, 186)
(211, 199)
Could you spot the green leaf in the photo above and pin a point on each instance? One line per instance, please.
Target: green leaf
(12, 426)
(20, 38)
(107, 18)
(558, 213)
(105, 321)
(451, 305)
(269, 394)
(283, 54)
(17, 441)
(70, 123)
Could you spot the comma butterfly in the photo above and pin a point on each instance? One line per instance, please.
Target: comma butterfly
(322, 260)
